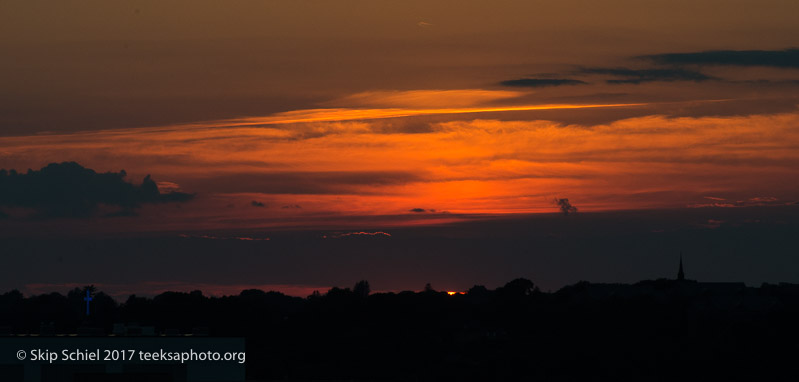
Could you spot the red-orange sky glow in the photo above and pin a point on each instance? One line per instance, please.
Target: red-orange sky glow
(307, 165)
(318, 143)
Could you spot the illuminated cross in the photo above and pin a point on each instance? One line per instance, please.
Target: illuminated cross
(88, 299)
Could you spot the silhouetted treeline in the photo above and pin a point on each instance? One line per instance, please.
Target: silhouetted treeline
(652, 330)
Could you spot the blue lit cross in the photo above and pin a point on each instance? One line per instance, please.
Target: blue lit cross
(88, 299)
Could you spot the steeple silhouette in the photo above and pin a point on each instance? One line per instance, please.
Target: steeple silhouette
(680, 273)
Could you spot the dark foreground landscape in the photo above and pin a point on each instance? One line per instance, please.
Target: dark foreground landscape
(657, 330)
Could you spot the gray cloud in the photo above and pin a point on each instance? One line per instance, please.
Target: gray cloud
(637, 76)
(786, 58)
(69, 190)
(565, 207)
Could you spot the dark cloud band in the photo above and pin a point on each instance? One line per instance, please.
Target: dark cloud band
(300, 182)
(637, 76)
(68, 190)
(787, 58)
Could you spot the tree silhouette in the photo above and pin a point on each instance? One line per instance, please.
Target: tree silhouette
(519, 287)
(361, 289)
(655, 330)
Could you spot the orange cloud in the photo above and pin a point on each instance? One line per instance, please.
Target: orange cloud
(334, 115)
(340, 170)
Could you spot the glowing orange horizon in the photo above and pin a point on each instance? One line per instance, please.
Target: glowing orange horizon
(338, 164)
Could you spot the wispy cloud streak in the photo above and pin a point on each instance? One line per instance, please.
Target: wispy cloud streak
(339, 115)
(350, 168)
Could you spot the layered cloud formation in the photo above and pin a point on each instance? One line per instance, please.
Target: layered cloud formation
(340, 167)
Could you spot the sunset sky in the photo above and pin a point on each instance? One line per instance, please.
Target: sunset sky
(344, 115)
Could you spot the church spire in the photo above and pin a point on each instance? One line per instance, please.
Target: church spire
(680, 273)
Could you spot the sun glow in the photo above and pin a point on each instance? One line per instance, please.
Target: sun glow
(309, 167)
